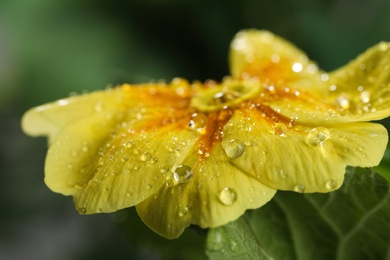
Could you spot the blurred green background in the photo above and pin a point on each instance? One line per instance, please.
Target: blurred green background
(51, 49)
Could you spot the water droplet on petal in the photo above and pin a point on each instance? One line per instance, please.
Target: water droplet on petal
(182, 173)
(183, 211)
(100, 210)
(365, 96)
(234, 148)
(280, 129)
(82, 211)
(282, 174)
(317, 136)
(331, 184)
(228, 196)
(197, 122)
(145, 157)
(297, 67)
(164, 169)
(299, 188)
(153, 160)
(343, 102)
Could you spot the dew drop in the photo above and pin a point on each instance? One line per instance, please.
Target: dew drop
(145, 157)
(197, 122)
(183, 211)
(317, 136)
(233, 245)
(100, 210)
(343, 102)
(299, 188)
(216, 239)
(234, 148)
(164, 169)
(153, 160)
(82, 211)
(365, 96)
(282, 174)
(280, 129)
(331, 184)
(297, 67)
(182, 173)
(227, 196)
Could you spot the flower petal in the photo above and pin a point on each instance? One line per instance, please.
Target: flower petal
(363, 85)
(90, 155)
(273, 60)
(302, 158)
(359, 91)
(217, 193)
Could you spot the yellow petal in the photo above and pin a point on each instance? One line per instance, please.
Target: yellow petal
(273, 60)
(362, 87)
(90, 155)
(355, 92)
(358, 91)
(216, 194)
(302, 158)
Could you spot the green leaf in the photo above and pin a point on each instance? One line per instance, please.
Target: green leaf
(351, 223)
(233, 241)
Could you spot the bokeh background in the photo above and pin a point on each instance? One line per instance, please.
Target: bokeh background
(53, 49)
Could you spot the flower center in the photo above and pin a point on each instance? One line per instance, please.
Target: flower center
(229, 94)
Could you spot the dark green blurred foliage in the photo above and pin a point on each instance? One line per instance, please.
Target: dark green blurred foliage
(49, 49)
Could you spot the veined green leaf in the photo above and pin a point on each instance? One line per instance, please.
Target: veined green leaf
(350, 223)
(233, 241)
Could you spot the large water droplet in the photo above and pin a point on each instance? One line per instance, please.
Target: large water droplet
(183, 173)
(317, 136)
(234, 148)
(197, 122)
(280, 129)
(331, 184)
(228, 196)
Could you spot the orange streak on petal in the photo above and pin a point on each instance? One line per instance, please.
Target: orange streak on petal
(213, 132)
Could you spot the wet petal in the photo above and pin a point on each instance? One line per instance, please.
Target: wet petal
(302, 158)
(217, 193)
(362, 87)
(356, 92)
(111, 158)
(273, 60)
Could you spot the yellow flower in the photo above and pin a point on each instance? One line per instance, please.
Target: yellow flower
(204, 153)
